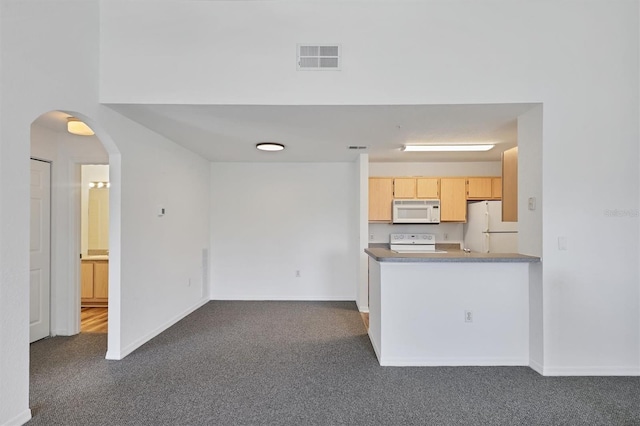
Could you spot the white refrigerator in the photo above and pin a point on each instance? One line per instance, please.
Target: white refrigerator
(485, 232)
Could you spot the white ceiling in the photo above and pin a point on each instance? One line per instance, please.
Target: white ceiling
(324, 133)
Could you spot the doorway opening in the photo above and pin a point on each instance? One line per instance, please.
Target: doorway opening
(67, 150)
(94, 243)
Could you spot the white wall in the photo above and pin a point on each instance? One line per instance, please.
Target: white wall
(469, 168)
(583, 67)
(49, 61)
(578, 59)
(161, 257)
(270, 220)
(362, 296)
(495, 293)
(89, 173)
(530, 182)
(530, 226)
(37, 75)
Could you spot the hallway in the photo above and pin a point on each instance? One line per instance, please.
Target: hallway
(94, 320)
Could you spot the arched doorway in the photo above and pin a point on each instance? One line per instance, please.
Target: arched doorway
(66, 152)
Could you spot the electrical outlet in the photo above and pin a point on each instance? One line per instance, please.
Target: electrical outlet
(468, 316)
(298, 273)
(371, 237)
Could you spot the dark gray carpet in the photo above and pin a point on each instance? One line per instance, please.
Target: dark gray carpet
(298, 363)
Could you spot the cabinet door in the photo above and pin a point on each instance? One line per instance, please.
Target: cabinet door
(101, 280)
(496, 188)
(86, 280)
(453, 200)
(510, 185)
(428, 188)
(380, 198)
(479, 188)
(404, 188)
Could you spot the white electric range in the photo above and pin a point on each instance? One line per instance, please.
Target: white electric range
(413, 243)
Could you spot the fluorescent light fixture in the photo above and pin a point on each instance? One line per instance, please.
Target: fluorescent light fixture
(77, 127)
(270, 146)
(447, 147)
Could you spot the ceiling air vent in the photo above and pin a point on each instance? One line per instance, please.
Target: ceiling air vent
(357, 147)
(318, 57)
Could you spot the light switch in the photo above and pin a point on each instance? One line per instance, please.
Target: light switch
(532, 203)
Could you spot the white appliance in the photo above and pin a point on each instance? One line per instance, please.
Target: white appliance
(485, 232)
(416, 211)
(413, 243)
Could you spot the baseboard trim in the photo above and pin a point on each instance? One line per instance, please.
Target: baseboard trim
(20, 419)
(373, 344)
(144, 339)
(283, 298)
(536, 366)
(454, 362)
(364, 308)
(592, 371)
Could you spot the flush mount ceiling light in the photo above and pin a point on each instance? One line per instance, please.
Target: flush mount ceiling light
(77, 127)
(270, 146)
(447, 147)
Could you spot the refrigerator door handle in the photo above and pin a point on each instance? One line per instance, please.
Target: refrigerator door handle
(487, 241)
(486, 222)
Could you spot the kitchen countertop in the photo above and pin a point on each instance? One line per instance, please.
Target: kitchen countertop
(96, 257)
(382, 253)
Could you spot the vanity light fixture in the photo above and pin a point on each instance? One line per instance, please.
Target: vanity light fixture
(99, 185)
(447, 147)
(270, 146)
(77, 127)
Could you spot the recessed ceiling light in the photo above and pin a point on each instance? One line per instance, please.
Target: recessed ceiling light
(448, 147)
(270, 146)
(77, 127)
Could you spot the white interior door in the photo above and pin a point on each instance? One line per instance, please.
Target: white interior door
(40, 260)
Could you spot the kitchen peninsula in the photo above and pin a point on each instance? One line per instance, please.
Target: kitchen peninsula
(453, 308)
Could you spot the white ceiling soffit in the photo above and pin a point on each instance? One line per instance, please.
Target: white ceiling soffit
(324, 133)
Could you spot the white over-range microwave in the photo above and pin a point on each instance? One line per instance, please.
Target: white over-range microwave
(416, 211)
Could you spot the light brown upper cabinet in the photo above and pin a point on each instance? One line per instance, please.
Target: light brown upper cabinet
(478, 188)
(404, 188)
(496, 188)
(510, 185)
(427, 188)
(484, 188)
(380, 198)
(453, 200)
(422, 187)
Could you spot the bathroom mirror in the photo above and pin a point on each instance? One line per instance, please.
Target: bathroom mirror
(98, 221)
